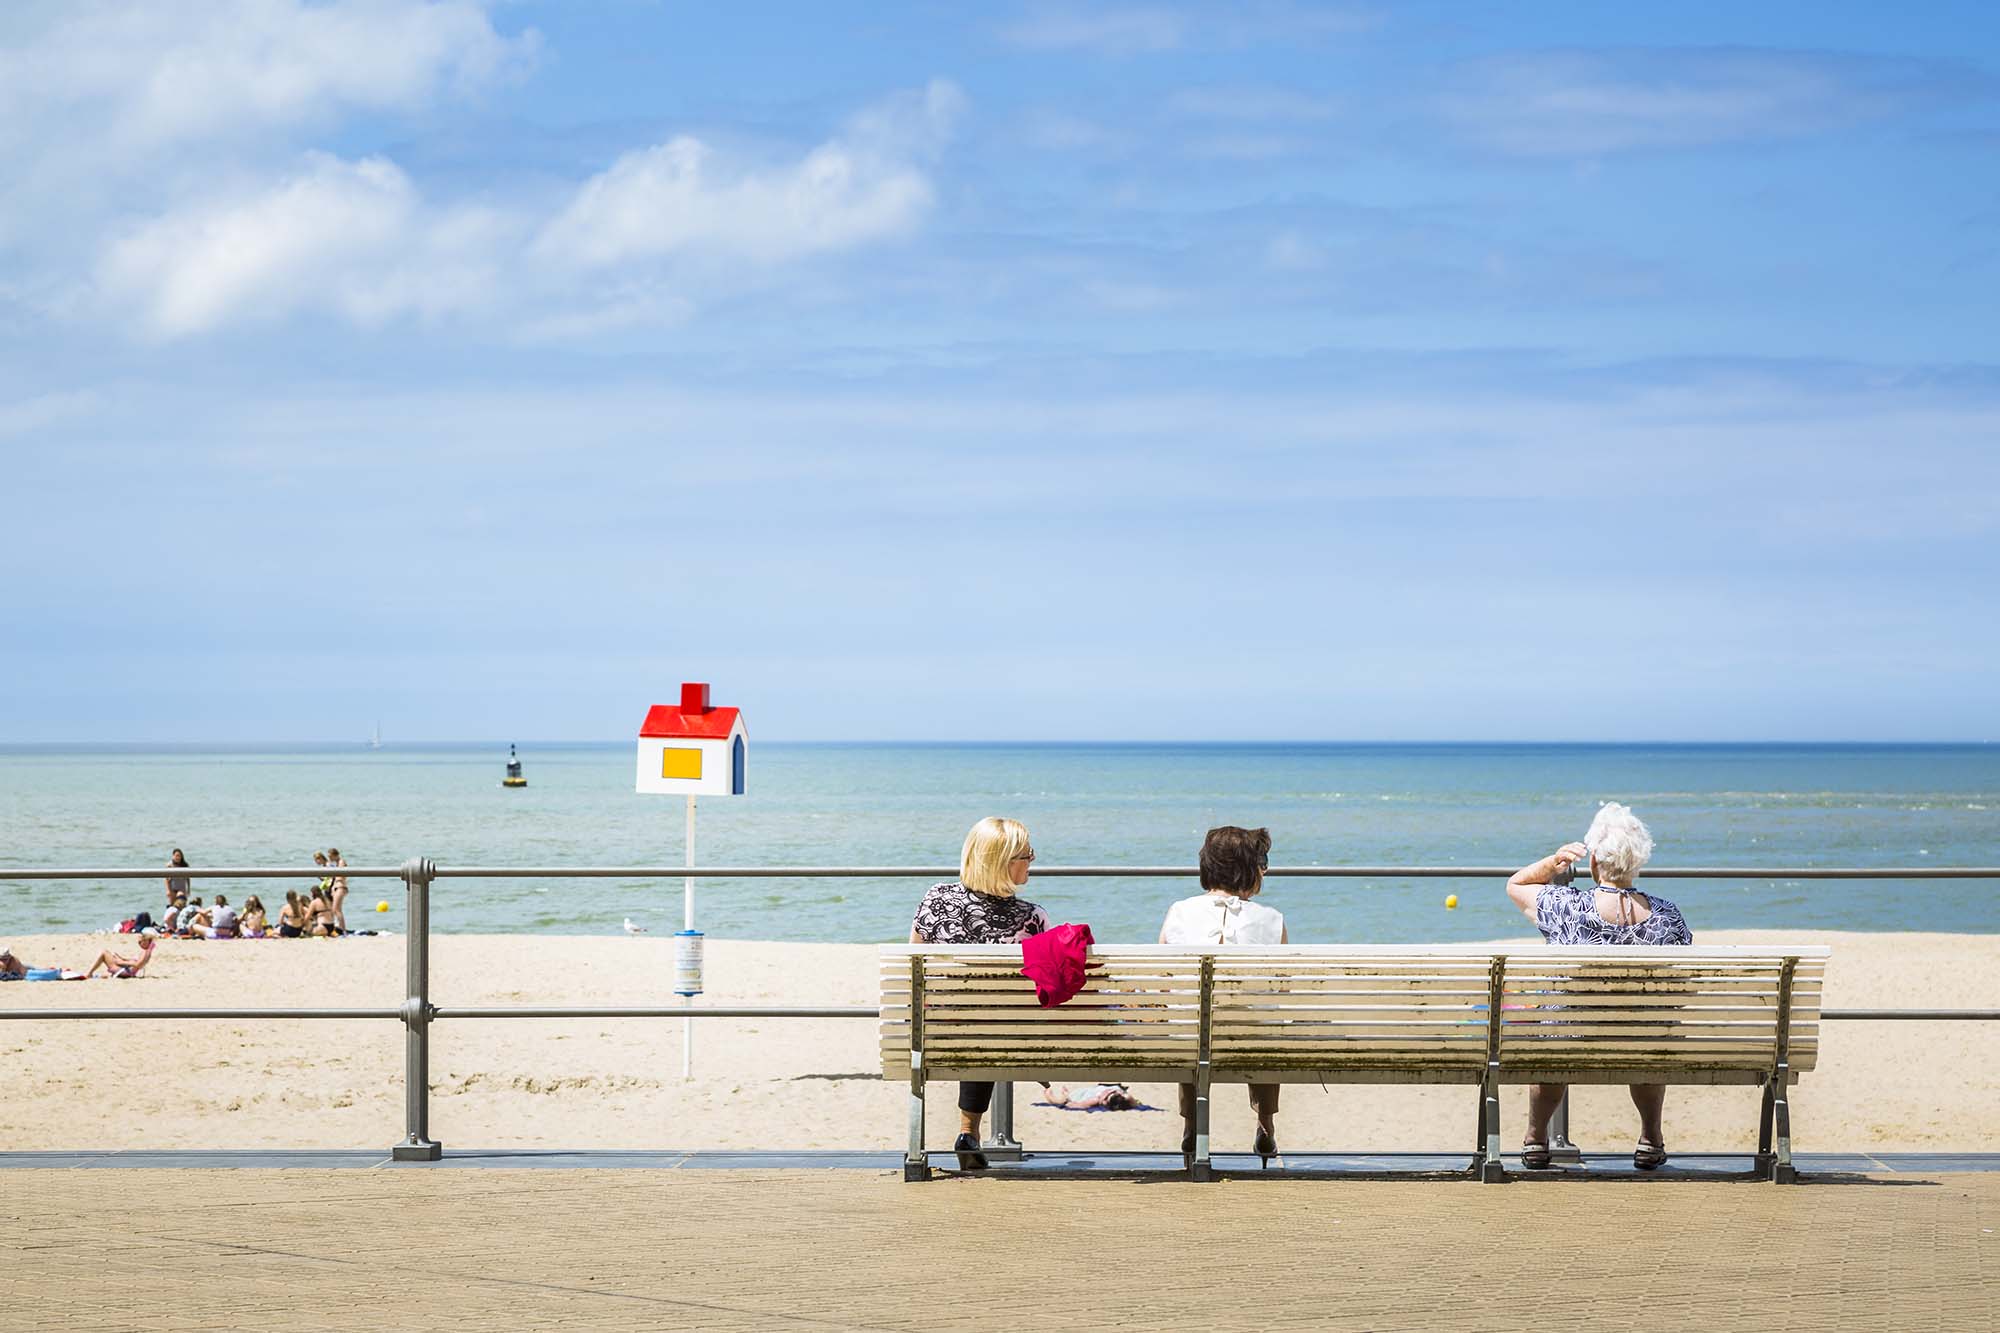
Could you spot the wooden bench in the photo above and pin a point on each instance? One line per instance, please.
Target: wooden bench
(1734, 1014)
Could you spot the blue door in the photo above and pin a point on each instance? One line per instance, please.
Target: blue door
(736, 768)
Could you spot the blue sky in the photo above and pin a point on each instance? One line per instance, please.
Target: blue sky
(1418, 371)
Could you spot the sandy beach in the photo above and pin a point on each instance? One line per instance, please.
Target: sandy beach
(815, 1083)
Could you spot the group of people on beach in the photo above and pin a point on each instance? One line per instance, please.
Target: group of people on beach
(320, 910)
(983, 906)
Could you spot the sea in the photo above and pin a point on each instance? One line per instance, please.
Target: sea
(909, 805)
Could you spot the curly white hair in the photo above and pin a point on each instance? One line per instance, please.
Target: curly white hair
(1619, 842)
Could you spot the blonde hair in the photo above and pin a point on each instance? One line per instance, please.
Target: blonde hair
(986, 865)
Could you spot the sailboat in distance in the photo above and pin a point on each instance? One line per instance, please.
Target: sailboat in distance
(375, 737)
(513, 778)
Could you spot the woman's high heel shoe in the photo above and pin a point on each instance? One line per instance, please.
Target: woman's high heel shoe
(969, 1156)
(1265, 1146)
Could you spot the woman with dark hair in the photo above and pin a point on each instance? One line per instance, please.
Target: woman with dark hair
(178, 886)
(1233, 861)
(981, 907)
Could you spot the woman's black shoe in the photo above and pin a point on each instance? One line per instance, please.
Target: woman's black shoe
(1265, 1146)
(969, 1156)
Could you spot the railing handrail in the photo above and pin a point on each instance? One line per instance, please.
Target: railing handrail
(417, 1012)
(951, 872)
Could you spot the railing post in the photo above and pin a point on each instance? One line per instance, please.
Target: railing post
(417, 1144)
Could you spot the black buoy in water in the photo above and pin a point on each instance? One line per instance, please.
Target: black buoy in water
(513, 778)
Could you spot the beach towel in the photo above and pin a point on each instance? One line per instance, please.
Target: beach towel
(1054, 961)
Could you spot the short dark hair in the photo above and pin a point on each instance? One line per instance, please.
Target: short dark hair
(1233, 859)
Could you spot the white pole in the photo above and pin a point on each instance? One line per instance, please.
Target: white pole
(687, 923)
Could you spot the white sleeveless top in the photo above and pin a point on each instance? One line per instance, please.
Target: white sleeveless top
(1220, 918)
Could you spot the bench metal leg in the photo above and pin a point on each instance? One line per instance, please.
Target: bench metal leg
(1560, 1148)
(1202, 1169)
(916, 1166)
(1001, 1145)
(1782, 1170)
(1487, 1158)
(1766, 1159)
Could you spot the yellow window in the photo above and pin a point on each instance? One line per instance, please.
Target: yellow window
(680, 763)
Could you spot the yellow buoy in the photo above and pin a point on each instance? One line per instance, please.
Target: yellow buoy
(382, 906)
(1451, 902)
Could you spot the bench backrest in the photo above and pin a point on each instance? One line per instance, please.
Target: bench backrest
(1360, 1012)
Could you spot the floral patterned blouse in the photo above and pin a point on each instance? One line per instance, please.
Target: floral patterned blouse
(953, 914)
(1567, 914)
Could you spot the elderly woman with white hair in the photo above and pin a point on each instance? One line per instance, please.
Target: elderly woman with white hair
(1608, 910)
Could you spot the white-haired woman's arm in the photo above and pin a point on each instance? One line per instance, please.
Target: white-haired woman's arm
(1527, 882)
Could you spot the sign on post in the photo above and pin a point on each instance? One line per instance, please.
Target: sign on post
(691, 749)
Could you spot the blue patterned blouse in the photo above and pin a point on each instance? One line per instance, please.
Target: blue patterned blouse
(1567, 914)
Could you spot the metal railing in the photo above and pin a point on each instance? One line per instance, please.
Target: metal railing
(418, 1012)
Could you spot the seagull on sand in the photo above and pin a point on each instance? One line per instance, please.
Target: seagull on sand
(633, 927)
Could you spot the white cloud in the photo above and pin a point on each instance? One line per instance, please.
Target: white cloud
(352, 238)
(643, 243)
(1584, 103)
(683, 197)
(138, 76)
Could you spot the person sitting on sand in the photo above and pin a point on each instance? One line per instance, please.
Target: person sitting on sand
(170, 923)
(192, 918)
(123, 968)
(220, 922)
(253, 926)
(1606, 911)
(319, 913)
(291, 917)
(1232, 862)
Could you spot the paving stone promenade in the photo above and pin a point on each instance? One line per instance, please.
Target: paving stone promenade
(849, 1249)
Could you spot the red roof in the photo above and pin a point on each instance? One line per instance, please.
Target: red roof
(692, 717)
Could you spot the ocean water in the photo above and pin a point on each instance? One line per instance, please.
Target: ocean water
(864, 804)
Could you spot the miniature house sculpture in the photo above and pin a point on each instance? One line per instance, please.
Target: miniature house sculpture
(691, 749)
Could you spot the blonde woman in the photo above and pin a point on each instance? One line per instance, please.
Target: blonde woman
(981, 907)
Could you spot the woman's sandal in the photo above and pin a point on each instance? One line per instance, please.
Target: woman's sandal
(1649, 1156)
(1535, 1156)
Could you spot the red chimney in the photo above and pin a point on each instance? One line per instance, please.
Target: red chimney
(694, 698)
